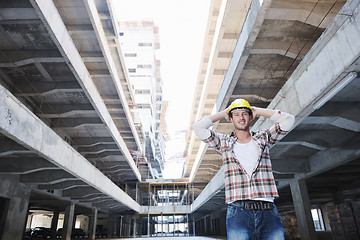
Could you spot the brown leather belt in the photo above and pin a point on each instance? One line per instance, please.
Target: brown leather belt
(254, 205)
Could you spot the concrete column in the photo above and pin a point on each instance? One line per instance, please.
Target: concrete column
(129, 227)
(16, 200)
(54, 222)
(205, 225)
(302, 209)
(121, 226)
(222, 222)
(68, 221)
(134, 227)
(92, 225)
(111, 225)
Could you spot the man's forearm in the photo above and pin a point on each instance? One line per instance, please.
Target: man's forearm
(285, 120)
(218, 116)
(257, 111)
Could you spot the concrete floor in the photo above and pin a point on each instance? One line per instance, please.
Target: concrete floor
(171, 238)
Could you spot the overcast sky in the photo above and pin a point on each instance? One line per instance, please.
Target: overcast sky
(181, 28)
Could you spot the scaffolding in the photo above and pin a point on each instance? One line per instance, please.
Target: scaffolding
(165, 197)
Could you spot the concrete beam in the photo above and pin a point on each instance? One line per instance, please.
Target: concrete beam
(323, 72)
(103, 154)
(21, 125)
(302, 143)
(9, 147)
(46, 88)
(98, 148)
(14, 13)
(65, 110)
(32, 60)
(158, 210)
(298, 165)
(251, 29)
(326, 160)
(76, 122)
(82, 192)
(216, 184)
(92, 141)
(299, 11)
(91, 199)
(99, 31)
(24, 165)
(46, 176)
(321, 140)
(48, 13)
(334, 121)
(63, 185)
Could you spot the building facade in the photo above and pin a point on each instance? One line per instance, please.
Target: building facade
(140, 45)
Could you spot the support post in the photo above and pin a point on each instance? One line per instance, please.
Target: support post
(68, 221)
(134, 227)
(54, 222)
(121, 225)
(302, 209)
(92, 225)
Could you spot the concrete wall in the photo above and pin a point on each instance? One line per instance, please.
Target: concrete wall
(15, 213)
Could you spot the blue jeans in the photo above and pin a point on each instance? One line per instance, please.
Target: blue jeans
(242, 223)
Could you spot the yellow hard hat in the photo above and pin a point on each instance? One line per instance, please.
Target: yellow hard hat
(240, 104)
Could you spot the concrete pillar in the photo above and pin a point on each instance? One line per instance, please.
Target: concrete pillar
(92, 224)
(302, 209)
(111, 225)
(16, 198)
(129, 227)
(54, 222)
(134, 226)
(222, 223)
(205, 225)
(121, 226)
(68, 221)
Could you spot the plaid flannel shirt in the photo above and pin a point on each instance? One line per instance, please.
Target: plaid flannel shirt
(237, 185)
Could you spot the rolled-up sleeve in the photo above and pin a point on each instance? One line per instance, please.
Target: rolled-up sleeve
(201, 129)
(283, 123)
(285, 120)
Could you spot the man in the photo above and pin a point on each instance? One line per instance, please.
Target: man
(249, 183)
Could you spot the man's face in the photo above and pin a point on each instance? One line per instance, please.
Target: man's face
(241, 119)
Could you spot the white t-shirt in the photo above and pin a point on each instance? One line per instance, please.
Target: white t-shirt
(247, 154)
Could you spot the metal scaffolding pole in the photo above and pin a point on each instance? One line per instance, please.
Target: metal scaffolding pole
(162, 209)
(149, 202)
(187, 213)
(174, 209)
